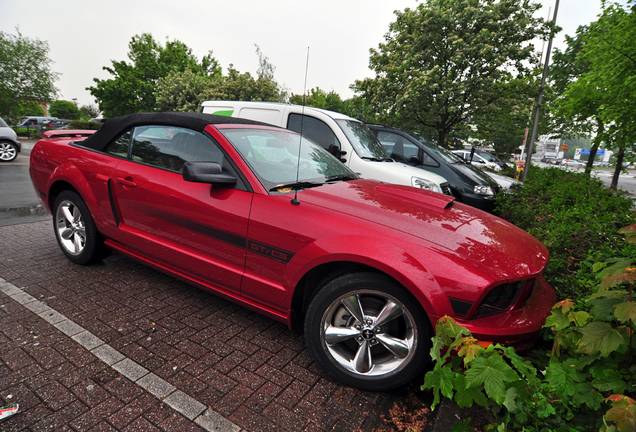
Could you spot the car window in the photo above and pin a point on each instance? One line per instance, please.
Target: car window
(365, 144)
(273, 156)
(314, 129)
(119, 147)
(166, 147)
(399, 148)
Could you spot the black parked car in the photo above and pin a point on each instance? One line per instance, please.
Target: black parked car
(468, 184)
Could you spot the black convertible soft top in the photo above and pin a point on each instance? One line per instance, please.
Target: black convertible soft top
(115, 126)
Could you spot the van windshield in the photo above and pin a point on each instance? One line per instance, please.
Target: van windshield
(363, 141)
(445, 154)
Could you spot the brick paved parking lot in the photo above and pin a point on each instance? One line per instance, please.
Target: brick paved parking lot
(118, 346)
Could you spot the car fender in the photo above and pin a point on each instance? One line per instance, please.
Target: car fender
(71, 174)
(381, 254)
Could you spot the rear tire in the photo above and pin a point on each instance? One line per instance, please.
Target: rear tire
(75, 230)
(8, 151)
(366, 331)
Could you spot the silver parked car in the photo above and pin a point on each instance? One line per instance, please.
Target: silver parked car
(9, 144)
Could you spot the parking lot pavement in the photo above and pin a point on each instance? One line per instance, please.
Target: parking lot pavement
(118, 346)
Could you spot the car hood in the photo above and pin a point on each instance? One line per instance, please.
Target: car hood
(460, 232)
(475, 174)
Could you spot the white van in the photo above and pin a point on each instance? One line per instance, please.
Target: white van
(346, 138)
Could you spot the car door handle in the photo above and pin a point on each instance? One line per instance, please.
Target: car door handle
(126, 182)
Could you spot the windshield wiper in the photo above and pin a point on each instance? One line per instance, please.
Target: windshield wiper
(375, 159)
(342, 177)
(295, 186)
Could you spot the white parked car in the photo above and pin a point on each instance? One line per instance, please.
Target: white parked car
(344, 137)
(478, 160)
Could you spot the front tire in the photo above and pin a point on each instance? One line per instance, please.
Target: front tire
(75, 230)
(366, 331)
(8, 152)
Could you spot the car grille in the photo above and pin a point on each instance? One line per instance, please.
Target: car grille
(446, 188)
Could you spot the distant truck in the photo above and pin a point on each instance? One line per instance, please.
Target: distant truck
(346, 138)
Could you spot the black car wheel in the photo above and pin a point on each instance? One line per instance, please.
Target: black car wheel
(75, 230)
(8, 151)
(366, 331)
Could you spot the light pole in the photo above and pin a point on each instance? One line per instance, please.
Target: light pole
(535, 124)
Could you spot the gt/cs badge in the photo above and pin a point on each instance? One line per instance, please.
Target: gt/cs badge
(270, 252)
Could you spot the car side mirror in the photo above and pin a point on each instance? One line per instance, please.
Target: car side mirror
(414, 160)
(206, 172)
(335, 150)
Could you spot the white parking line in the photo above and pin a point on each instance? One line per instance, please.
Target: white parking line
(164, 391)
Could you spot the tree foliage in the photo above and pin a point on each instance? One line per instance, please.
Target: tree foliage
(90, 111)
(25, 72)
(319, 98)
(132, 88)
(595, 80)
(442, 63)
(64, 110)
(185, 90)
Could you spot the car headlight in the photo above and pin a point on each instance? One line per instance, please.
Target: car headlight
(424, 184)
(483, 190)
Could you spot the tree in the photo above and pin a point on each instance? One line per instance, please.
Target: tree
(64, 110)
(182, 91)
(90, 111)
(596, 80)
(243, 87)
(441, 63)
(319, 98)
(133, 87)
(503, 125)
(29, 109)
(578, 102)
(25, 72)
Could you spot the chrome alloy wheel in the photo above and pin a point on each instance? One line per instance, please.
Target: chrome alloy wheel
(8, 152)
(70, 227)
(369, 333)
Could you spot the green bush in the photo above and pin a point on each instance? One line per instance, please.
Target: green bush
(573, 216)
(30, 133)
(586, 378)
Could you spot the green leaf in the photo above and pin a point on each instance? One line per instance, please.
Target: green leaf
(524, 367)
(544, 409)
(465, 398)
(610, 380)
(626, 311)
(600, 337)
(557, 320)
(603, 308)
(492, 372)
(509, 401)
(562, 378)
(586, 395)
(439, 379)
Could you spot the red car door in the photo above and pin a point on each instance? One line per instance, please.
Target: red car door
(196, 229)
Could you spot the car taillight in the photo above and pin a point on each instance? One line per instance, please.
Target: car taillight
(500, 298)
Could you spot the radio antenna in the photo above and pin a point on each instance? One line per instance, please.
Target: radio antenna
(295, 201)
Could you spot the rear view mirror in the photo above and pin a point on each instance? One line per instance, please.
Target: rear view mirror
(206, 172)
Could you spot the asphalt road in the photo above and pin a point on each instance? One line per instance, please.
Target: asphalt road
(18, 201)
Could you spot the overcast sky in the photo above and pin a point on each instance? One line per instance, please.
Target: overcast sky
(86, 35)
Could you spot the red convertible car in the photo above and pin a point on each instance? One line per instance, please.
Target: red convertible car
(271, 220)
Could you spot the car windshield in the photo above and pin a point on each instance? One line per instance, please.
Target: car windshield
(446, 155)
(2, 123)
(273, 157)
(363, 141)
(489, 157)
